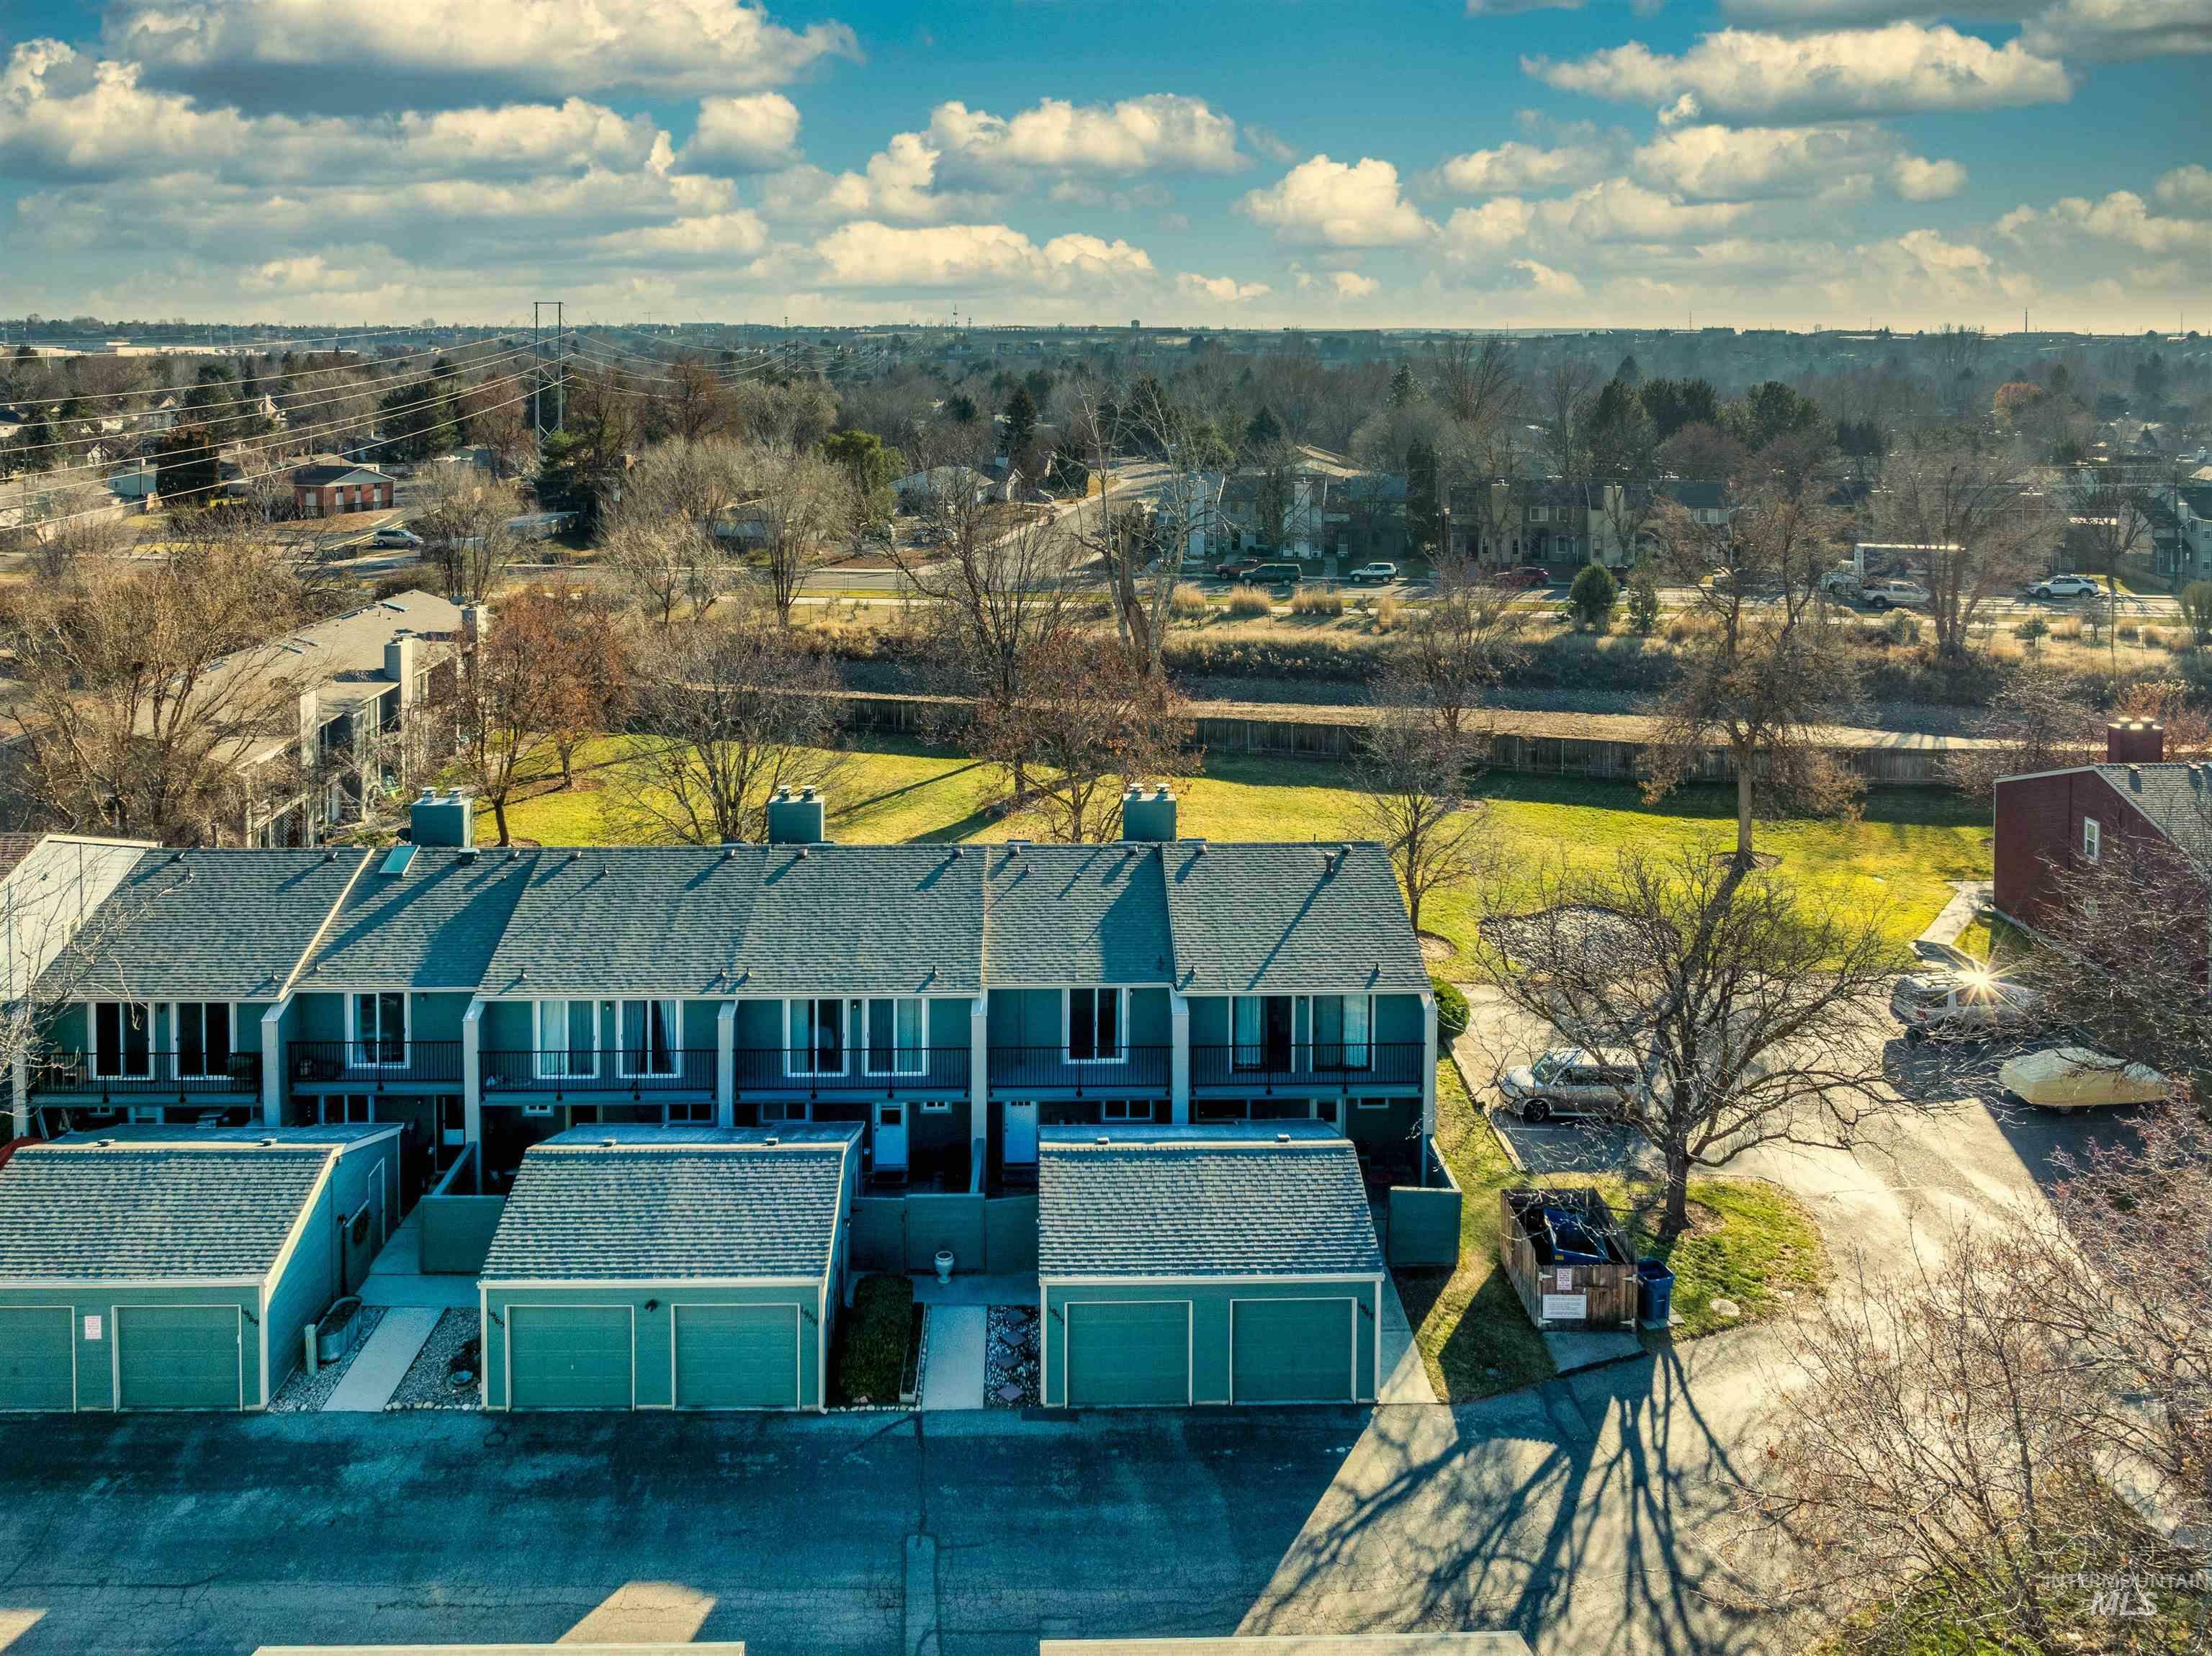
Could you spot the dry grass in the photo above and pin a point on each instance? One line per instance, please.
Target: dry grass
(1390, 614)
(1310, 601)
(1248, 605)
(1189, 602)
(2066, 630)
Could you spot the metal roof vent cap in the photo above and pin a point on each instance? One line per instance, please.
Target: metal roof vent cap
(1103, 1139)
(608, 1143)
(103, 1143)
(265, 1144)
(1282, 1138)
(772, 1140)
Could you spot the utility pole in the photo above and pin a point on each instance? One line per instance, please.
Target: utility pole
(538, 364)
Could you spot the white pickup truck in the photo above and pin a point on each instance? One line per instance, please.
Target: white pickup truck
(1879, 593)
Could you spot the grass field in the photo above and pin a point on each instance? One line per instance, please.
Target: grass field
(1902, 856)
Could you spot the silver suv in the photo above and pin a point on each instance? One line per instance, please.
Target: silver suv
(1568, 1081)
(1960, 1005)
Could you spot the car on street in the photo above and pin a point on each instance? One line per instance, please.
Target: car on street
(2067, 586)
(1235, 568)
(396, 535)
(1892, 594)
(1960, 1005)
(1569, 1082)
(1527, 575)
(1271, 574)
(1376, 574)
(2069, 1078)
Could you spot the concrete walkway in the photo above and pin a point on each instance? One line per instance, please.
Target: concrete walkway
(954, 1375)
(1973, 895)
(1405, 1375)
(977, 1290)
(379, 1366)
(397, 1278)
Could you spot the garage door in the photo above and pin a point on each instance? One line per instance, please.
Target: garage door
(1290, 1350)
(568, 1356)
(37, 1367)
(736, 1357)
(1124, 1354)
(179, 1356)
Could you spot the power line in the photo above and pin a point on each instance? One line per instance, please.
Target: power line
(295, 373)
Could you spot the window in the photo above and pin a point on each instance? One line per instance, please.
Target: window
(2092, 839)
(567, 1038)
(203, 1029)
(1094, 1026)
(121, 1046)
(650, 1037)
(1125, 1109)
(376, 1024)
(818, 1037)
(1340, 1026)
(783, 1112)
(700, 1113)
(348, 1106)
(898, 1036)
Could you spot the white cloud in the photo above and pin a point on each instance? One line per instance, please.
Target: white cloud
(2122, 28)
(708, 239)
(1473, 231)
(1563, 284)
(2187, 188)
(2122, 216)
(1227, 290)
(1620, 209)
(1740, 74)
(1159, 132)
(267, 50)
(1518, 165)
(1918, 178)
(755, 134)
(1326, 202)
(1350, 284)
(1723, 163)
(869, 254)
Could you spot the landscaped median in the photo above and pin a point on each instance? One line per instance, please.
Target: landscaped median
(1750, 1247)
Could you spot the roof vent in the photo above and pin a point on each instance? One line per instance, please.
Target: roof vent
(267, 1144)
(802, 854)
(607, 1143)
(103, 1143)
(1282, 1138)
(1103, 1139)
(772, 1140)
(575, 856)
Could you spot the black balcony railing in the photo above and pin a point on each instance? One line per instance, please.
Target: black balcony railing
(690, 1070)
(1134, 1070)
(146, 1074)
(374, 1063)
(1345, 1065)
(849, 1072)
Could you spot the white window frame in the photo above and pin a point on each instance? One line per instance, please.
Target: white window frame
(1120, 1053)
(904, 1060)
(543, 1055)
(358, 1042)
(672, 1009)
(93, 1055)
(177, 1040)
(794, 1052)
(2093, 839)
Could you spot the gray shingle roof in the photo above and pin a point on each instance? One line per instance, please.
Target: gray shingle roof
(436, 926)
(146, 1208)
(219, 925)
(2177, 798)
(1062, 914)
(663, 1205)
(1202, 1202)
(882, 919)
(1274, 919)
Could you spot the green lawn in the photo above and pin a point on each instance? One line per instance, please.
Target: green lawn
(1901, 855)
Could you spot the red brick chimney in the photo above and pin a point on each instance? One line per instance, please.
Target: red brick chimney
(2135, 742)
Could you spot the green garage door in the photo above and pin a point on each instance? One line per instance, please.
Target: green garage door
(1291, 1351)
(37, 1370)
(1119, 1355)
(179, 1356)
(736, 1357)
(568, 1356)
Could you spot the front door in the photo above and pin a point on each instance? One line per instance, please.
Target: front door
(891, 1138)
(1276, 1029)
(1022, 1133)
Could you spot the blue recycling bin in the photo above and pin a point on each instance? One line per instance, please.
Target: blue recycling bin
(1655, 1293)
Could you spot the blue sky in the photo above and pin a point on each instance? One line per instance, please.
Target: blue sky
(1257, 162)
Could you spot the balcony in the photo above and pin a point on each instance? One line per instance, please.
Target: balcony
(373, 1066)
(151, 1075)
(802, 1072)
(1338, 1067)
(598, 1075)
(1049, 1071)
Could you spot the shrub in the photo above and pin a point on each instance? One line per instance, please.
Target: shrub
(2128, 630)
(1247, 604)
(1189, 602)
(1643, 600)
(1316, 601)
(1902, 627)
(1451, 1011)
(2032, 631)
(1390, 614)
(2197, 609)
(1593, 596)
(871, 1355)
(2067, 627)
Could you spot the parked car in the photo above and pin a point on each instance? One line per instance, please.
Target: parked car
(396, 535)
(1527, 575)
(2068, 1078)
(1378, 574)
(1892, 594)
(1271, 574)
(1960, 1005)
(2067, 586)
(1568, 1081)
(1235, 568)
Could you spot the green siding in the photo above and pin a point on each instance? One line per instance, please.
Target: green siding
(305, 1288)
(700, 1025)
(320, 1017)
(948, 1022)
(1209, 1020)
(182, 1357)
(570, 1357)
(736, 1357)
(37, 1358)
(653, 1332)
(1292, 1350)
(507, 1027)
(69, 1033)
(1211, 1302)
(437, 1017)
(1127, 1353)
(1398, 1018)
(1389, 1120)
(1151, 1021)
(1025, 1017)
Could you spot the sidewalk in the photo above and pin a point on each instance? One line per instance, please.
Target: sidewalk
(397, 1279)
(955, 1374)
(379, 1366)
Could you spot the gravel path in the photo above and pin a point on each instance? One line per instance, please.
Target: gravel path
(302, 1394)
(429, 1381)
(1010, 1358)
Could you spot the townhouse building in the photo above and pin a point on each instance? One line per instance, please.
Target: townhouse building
(952, 1003)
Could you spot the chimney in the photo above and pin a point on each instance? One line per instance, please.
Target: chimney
(796, 818)
(447, 819)
(2135, 742)
(1148, 816)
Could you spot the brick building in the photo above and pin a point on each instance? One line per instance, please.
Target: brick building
(322, 488)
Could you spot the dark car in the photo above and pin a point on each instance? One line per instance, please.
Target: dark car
(1529, 575)
(1235, 568)
(1270, 574)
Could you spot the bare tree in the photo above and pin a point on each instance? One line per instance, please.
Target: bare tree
(997, 590)
(579, 628)
(803, 503)
(2037, 722)
(1475, 382)
(1564, 397)
(2105, 521)
(1414, 802)
(504, 709)
(1457, 648)
(1979, 522)
(1750, 1011)
(1773, 668)
(728, 709)
(463, 519)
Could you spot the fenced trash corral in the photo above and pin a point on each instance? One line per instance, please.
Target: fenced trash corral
(1567, 1259)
